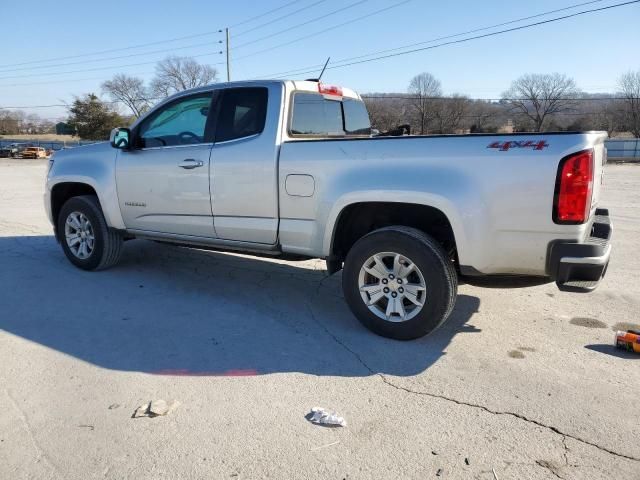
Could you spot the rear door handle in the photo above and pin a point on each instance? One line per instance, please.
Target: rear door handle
(190, 163)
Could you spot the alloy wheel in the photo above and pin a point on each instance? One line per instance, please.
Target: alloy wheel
(79, 235)
(392, 286)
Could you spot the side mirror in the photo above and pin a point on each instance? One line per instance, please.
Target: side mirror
(120, 138)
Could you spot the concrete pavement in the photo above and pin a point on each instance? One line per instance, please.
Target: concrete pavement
(521, 381)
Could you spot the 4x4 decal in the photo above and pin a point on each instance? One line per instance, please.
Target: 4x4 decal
(506, 146)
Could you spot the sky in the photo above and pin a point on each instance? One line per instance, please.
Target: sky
(275, 37)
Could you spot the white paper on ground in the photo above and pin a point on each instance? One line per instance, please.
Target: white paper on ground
(323, 417)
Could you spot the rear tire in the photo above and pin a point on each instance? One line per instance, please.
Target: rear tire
(381, 264)
(81, 221)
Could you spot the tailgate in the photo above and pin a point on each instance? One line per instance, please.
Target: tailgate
(599, 160)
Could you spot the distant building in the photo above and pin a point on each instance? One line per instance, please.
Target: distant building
(63, 128)
(507, 128)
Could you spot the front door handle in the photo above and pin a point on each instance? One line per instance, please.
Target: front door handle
(190, 163)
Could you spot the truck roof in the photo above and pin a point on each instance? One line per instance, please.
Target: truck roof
(300, 85)
(312, 86)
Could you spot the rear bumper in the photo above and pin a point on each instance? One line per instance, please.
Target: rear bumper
(579, 267)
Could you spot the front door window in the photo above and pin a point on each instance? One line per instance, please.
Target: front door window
(181, 122)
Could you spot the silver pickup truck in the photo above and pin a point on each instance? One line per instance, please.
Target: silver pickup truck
(291, 169)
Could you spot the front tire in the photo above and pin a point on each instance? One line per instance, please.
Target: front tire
(86, 239)
(399, 282)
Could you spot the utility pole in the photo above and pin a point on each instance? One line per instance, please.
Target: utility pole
(228, 62)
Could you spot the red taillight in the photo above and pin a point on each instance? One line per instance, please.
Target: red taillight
(332, 90)
(574, 185)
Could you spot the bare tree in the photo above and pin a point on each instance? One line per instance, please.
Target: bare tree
(424, 90)
(629, 86)
(9, 123)
(386, 113)
(128, 90)
(174, 74)
(607, 115)
(538, 96)
(19, 122)
(449, 112)
(484, 116)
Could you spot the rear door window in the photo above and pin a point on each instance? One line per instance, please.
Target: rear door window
(356, 117)
(314, 115)
(243, 113)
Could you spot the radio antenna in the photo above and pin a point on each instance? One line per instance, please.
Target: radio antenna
(320, 76)
(324, 68)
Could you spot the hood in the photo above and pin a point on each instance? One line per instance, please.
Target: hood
(85, 150)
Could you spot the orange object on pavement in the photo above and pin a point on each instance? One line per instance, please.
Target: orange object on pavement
(629, 340)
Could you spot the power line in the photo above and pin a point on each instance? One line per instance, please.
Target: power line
(108, 102)
(291, 71)
(438, 38)
(510, 22)
(58, 105)
(264, 14)
(279, 18)
(501, 99)
(113, 49)
(108, 68)
(65, 80)
(522, 27)
(398, 54)
(570, 114)
(339, 10)
(376, 12)
(207, 44)
(195, 56)
(476, 37)
(141, 45)
(365, 97)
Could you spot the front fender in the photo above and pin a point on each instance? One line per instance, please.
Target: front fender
(92, 165)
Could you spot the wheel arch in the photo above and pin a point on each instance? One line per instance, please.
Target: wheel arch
(61, 192)
(351, 220)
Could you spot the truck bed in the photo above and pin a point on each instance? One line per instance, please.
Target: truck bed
(496, 190)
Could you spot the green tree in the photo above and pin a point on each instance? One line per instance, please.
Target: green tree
(92, 118)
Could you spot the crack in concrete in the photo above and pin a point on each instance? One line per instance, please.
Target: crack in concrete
(321, 283)
(40, 453)
(549, 466)
(468, 404)
(511, 414)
